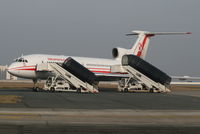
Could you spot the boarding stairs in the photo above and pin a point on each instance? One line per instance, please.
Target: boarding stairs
(147, 83)
(80, 86)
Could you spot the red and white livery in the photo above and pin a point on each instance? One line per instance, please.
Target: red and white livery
(26, 66)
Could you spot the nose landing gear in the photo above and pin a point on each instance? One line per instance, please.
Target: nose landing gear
(35, 88)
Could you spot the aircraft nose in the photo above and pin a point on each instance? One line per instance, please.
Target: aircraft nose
(11, 69)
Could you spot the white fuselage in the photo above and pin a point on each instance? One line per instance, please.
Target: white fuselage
(25, 66)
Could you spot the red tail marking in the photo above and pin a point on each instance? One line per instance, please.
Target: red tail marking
(141, 46)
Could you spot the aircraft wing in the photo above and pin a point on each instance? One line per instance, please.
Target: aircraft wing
(185, 78)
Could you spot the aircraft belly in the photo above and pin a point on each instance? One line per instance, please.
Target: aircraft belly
(26, 74)
(44, 74)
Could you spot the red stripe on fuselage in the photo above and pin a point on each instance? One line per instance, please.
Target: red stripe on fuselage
(28, 69)
(21, 67)
(94, 71)
(99, 68)
(106, 72)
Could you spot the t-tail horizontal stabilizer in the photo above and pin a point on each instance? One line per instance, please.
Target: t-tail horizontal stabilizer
(137, 32)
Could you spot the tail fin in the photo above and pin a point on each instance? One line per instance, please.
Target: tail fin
(141, 45)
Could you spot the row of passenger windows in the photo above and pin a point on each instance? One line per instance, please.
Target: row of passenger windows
(52, 62)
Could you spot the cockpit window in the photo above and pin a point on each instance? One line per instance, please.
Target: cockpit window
(21, 60)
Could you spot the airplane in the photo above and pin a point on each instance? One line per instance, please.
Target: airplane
(26, 66)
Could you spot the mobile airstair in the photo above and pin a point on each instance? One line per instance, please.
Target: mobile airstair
(143, 76)
(71, 76)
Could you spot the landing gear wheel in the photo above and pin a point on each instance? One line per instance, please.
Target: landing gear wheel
(34, 89)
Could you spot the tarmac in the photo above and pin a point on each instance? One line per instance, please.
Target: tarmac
(24, 111)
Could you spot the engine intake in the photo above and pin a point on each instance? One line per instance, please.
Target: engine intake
(119, 52)
(115, 53)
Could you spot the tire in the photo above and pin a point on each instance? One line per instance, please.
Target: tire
(34, 89)
(37, 89)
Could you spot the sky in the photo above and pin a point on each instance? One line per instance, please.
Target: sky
(92, 28)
